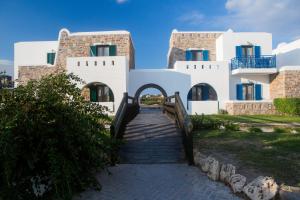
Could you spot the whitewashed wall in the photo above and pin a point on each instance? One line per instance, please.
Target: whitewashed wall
(32, 53)
(288, 54)
(227, 42)
(183, 77)
(114, 73)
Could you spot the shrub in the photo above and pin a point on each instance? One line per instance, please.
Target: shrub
(229, 126)
(255, 130)
(279, 130)
(201, 122)
(289, 106)
(222, 112)
(50, 136)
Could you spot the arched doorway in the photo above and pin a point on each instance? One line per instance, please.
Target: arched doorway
(202, 98)
(98, 92)
(202, 92)
(150, 95)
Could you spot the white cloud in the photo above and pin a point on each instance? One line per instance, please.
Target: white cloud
(192, 18)
(121, 1)
(276, 16)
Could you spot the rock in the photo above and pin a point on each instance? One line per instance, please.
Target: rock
(213, 169)
(199, 158)
(261, 188)
(205, 164)
(293, 131)
(237, 182)
(227, 170)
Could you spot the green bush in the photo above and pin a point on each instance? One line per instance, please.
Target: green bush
(255, 130)
(50, 136)
(201, 122)
(229, 126)
(279, 130)
(289, 106)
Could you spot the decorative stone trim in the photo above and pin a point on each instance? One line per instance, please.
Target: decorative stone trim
(250, 108)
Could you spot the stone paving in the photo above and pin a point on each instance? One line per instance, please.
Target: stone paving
(155, 182)
(154, 166)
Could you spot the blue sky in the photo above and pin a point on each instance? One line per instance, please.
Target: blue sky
(149, 21)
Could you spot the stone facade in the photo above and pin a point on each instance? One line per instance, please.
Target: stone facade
(27, 73)
(285, 84)
(179, 42)
(250, 108)
(78, 46)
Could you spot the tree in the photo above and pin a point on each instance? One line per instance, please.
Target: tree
(52, 141)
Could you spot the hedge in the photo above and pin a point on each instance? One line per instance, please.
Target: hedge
(289, 106)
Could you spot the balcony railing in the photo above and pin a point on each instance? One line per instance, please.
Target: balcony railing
(253, 62)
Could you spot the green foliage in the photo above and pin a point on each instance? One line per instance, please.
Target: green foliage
(201, 122)
(279, 130)
(229, 126)
(49, 135)
(222, 112)
(289, 106)
(255, 130)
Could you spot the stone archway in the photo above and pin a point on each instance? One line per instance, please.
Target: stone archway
(149, 85)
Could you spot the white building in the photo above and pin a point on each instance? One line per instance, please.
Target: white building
(237, 72)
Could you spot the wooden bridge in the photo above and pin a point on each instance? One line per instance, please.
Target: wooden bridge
(153, 135)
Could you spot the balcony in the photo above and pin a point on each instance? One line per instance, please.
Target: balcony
(252, 65)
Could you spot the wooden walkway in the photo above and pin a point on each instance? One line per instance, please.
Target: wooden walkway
(151, 137)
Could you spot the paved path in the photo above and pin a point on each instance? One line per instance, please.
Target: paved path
(157, 182)
(154, 145)
(152, 137)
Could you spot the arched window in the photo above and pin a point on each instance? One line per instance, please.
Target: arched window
(202, 92)
(99, 92)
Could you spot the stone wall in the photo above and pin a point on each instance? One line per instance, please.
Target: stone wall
(79, 46)
(285, 84)
(27, 73)
(179, 42)
(250, 108)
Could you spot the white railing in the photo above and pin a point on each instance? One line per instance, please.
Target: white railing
(200, 65)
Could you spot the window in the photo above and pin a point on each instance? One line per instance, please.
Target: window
(100, 93)
(197, 55)
(50, 58)
(202, 92)
(248, 51)
(249, 91)
(103, 50)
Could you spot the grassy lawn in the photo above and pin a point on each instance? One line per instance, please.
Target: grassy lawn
(258, 118)
(273, 154)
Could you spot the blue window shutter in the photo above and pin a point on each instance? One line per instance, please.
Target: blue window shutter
(188, 55)
(190, 95)
(257, 51)
(205, 55)
(93, 95)
(112, 50)
(239, 91)
(238, 51)
(93, 51)
(205, 93)
(258, 91)
(50, 58)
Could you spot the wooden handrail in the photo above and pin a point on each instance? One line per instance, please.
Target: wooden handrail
(121, 115)
(177, 110)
